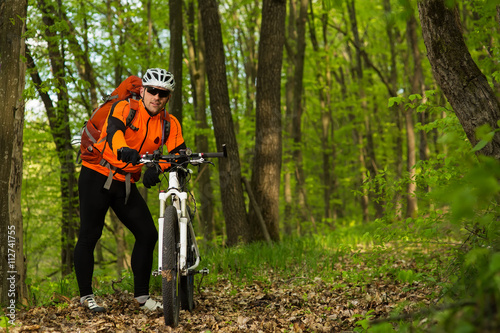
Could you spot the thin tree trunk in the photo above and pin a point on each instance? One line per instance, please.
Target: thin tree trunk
(326, 122)
(288, 214)
(13, 290)
(298, 60)
(359, 140)
(232, 197)
(416, 86)
(176, 50)
(397, 109)
(197, 71)
(150, 32)
(340, 78)
(59, 124)
(247, 39)
(418, 83)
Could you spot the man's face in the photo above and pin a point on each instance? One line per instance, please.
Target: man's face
(154, 99)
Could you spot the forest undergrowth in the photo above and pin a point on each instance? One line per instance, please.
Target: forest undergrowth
(353, 279)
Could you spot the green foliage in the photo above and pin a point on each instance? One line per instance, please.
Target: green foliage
(40, 201)
(365, 322)
(6, 323)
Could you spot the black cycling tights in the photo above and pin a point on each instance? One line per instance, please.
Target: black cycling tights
(135, 215)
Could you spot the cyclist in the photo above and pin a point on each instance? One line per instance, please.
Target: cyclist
(121, 146)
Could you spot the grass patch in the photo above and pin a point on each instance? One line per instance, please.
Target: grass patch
(350, 254)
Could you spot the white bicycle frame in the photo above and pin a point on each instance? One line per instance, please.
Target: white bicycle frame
(179, 201)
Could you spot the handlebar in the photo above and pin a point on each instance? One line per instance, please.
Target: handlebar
(185, 156)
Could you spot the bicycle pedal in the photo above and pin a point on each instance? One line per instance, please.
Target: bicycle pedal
(204, 271)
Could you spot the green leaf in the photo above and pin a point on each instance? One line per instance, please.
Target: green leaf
(395, 100)
(480, 145)
(414, 96)
(429, 93)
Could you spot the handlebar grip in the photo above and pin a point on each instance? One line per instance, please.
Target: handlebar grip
(222, 153)
(209, 155)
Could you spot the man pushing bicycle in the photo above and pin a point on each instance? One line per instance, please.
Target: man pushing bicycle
(111, 183)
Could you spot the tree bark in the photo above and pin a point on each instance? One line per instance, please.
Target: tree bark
(233, 203)
(266, 171)
(13, 289)
(463, 84)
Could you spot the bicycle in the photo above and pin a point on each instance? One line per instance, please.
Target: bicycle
(178, 253)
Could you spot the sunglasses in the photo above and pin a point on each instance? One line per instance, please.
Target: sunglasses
(160, 92)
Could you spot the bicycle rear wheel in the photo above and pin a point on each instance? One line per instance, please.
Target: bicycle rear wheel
(187, 282)
(170, 270)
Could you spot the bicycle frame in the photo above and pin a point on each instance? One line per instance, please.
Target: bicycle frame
(179, 201)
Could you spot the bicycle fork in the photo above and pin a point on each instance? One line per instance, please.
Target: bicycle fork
(184, 228)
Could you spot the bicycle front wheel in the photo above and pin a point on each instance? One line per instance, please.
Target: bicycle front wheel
(170, 270)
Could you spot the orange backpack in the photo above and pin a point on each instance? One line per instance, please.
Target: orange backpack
(129, 90)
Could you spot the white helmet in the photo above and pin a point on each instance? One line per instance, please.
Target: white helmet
(158, 77)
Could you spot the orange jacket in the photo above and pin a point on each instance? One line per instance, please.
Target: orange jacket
(144, 135)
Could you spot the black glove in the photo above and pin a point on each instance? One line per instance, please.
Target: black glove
(128, 155)
(150, 177)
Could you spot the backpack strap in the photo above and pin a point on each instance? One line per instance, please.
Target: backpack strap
(134, 106)
(166, 128)
(112, 170)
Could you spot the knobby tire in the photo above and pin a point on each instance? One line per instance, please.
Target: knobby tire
(187, 282)
(170, 270)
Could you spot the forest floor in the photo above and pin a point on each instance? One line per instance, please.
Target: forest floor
(297, 304)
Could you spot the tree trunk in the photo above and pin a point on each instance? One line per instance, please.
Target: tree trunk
(196, 53)
(396, 110)
(59, 124)
(176, 56)
(463, 84)
(416, 82)
(288, 193)
(328, 149)
(299, 55)
(359, 138)
(13, 289)
(266, 171)
(233, 203)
